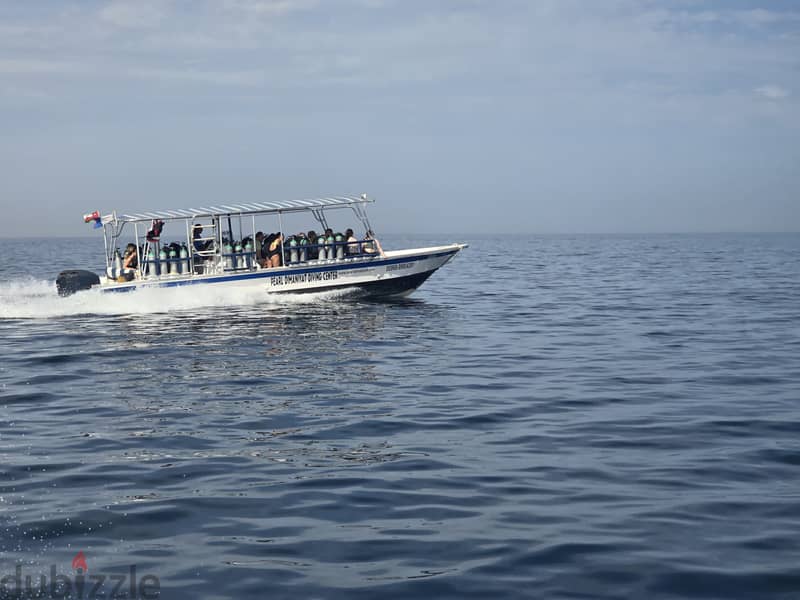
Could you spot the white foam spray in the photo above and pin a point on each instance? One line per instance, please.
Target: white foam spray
(38, 299)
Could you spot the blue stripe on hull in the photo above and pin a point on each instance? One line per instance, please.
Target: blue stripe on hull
(271, 273)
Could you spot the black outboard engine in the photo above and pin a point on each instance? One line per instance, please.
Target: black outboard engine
(69, 282)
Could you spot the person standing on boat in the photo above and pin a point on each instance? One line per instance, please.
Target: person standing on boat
(274, 251)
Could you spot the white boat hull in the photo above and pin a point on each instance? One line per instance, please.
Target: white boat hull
(397, 273)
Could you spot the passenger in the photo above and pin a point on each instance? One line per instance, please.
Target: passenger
(313, 251)
(265, 242)
(371, 245)
(130, 261)
(352, 242)
(127, 270)
(197, 233)
(258, 247)
(274, 251)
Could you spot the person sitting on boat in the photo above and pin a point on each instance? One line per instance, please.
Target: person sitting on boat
(197, 234)
(352, 242)
(127, 270)
(371, 245)
(130, 261)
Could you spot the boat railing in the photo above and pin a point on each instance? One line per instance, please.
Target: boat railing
(211, 261)
(335, 250)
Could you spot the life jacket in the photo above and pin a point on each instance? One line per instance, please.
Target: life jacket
(155, 230)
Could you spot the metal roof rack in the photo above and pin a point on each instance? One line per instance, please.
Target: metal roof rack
(250, 208)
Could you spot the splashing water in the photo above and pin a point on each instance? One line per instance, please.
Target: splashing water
(29, 298)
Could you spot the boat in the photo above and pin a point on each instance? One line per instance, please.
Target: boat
(221, 245)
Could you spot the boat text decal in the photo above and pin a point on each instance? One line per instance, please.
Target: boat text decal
(397, 267)
(303, 278)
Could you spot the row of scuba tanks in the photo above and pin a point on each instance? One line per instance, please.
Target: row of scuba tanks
(239, 255)
(299, 248)
(173, 259)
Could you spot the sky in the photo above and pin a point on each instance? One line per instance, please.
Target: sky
(463, 116)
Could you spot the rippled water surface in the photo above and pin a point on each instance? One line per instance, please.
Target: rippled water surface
(547, 417)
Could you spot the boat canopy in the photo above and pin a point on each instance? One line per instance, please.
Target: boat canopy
(251, 208)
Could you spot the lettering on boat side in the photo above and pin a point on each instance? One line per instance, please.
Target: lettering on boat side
(397, 267)
(302, 278)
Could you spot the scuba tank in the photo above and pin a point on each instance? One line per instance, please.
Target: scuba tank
(339, 245)
(152, 267)
(239, 259)
(248, 256)
(161, 265)
(329, 245)
(174, 268)
(117, 263)
(303, 253)
(323, 248)
(184, 256)
(228, 256)
(294, 256)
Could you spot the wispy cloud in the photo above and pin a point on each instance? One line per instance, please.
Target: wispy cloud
(772, 92)
(32, 66)
(134, 14)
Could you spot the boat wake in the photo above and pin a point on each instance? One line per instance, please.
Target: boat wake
(38, 299)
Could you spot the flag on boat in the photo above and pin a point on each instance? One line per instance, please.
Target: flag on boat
(99, 220)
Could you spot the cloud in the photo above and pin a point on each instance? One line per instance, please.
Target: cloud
(29, 66)
(772, 92)
(133, 14)
(220, 78)
(267, 8)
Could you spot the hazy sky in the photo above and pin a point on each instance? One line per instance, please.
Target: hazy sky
(457, 115)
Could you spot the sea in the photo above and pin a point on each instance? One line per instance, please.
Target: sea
(558, 417)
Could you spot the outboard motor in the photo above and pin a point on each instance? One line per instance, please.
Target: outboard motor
(184, 256)
(173, 261)
(69, 282)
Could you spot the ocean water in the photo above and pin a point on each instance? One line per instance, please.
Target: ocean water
(547, 417)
